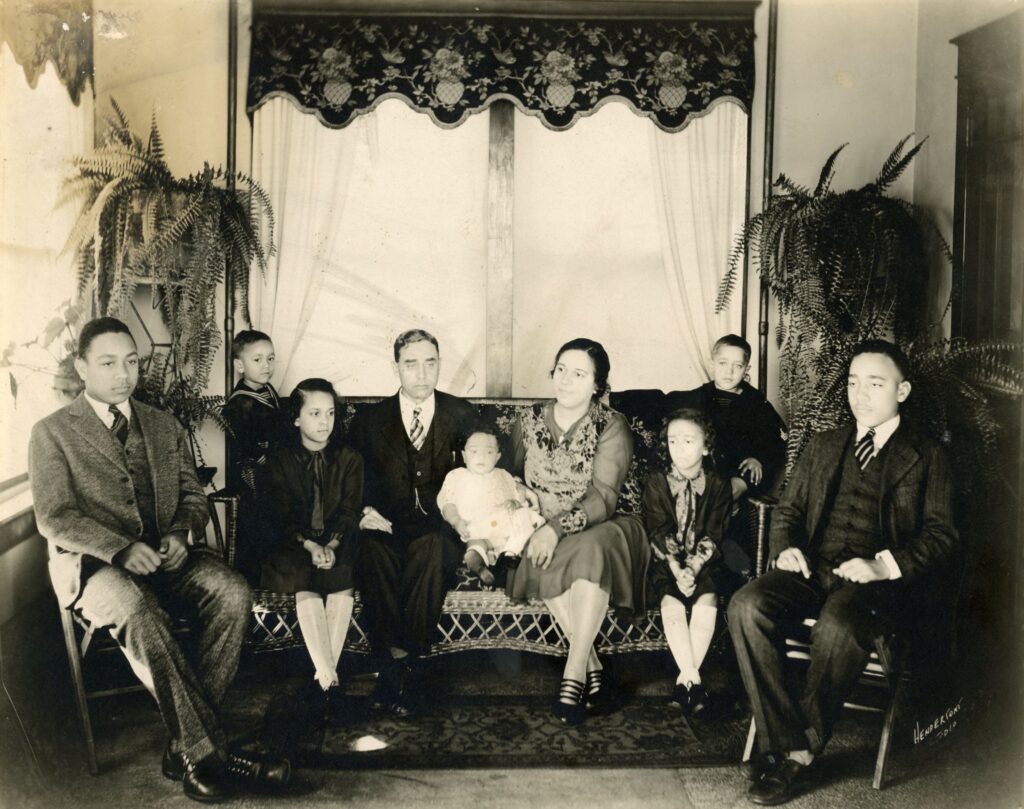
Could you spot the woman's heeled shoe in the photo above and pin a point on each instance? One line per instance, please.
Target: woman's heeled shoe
(569, 709)
(598, 692)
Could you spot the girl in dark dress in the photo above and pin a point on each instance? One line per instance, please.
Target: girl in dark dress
(687, 508)
(314, 491)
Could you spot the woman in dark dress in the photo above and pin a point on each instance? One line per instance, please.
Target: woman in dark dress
(574, 452)
(687, 508)
(314, 488)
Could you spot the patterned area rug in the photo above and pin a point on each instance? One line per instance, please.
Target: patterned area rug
(518, 731)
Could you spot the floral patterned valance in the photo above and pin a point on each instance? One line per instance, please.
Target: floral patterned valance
(558, 70)
(58, 31)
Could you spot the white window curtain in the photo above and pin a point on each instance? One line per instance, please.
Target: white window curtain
(40, 130)
(700, 183)
(621, 234)
(381, 228)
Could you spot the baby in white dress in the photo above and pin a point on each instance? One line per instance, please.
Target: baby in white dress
(490, 509)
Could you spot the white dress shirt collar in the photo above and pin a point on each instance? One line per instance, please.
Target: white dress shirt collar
(426, 407)
(102, 410)
(883, 432)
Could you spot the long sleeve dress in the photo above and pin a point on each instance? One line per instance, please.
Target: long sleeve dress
(315, 496)
(708, 517)
(577, 475)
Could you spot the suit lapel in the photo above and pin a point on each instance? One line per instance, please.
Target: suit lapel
(828, 466)
(393, 430)
(157, 456)
(441, 427)
(900, 458)
(95, 431)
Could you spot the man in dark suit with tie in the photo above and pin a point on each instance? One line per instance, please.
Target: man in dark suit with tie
(408, 553)
(115, 494)
(866, 514)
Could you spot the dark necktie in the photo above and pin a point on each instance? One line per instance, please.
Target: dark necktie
(416, 429)
(865, 449)
(316, 521)
(120, 426)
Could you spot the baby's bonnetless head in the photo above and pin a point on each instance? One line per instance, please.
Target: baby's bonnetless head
(480, 452)
(686, 439)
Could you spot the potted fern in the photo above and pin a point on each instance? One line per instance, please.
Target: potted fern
(849, 265)
(181, 236)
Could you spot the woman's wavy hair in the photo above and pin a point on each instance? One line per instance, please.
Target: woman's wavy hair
(598, 356)
(693, 416)
(298, 397)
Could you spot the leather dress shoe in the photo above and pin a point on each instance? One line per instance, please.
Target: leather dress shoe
(759, 765)
(206, 781)
(257, 770)
(391, 692)
(781, 785)
(173, 764)
(698, 700)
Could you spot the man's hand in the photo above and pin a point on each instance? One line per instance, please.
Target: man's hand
(751, 467)
(174, 550)
(793, 560)
(139, 558)
(862, 571)
(541, 546)
(462, 527)
(373, 521)
(739, 487)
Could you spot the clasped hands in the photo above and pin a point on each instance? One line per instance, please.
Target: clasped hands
(322, 555)
(860, 571)
(142, 559)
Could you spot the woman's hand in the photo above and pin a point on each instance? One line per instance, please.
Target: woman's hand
(541, 547)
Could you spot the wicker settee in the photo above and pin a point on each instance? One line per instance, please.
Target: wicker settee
(475, 617)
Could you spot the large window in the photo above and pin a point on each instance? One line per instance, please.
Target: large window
(619, 232)
(41, 129)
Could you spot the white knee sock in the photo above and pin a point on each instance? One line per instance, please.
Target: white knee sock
(589, 606)
(309, 607)
(339, 616)
(702, 630)
(677, 633)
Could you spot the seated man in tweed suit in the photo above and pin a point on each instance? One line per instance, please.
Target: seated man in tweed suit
(867, 513)
(116, 495)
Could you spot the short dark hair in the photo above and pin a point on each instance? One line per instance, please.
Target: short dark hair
(884, 347)
(735, 341)
(298, 397)
(484, 427)
(598, 356)
(97, 326)
(414, 336)
(247, 337)
(692, 415)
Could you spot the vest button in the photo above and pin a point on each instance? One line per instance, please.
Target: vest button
(419, 474)
(124, 480)
(130, 502)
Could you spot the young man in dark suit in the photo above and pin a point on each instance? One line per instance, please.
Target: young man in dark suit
(867, 513)
(115, 493)
(408, 553)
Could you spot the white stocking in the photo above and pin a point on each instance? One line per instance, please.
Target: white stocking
(339, 616)
(309, 607)
(588, 608)
(677, 633)
(702, 630)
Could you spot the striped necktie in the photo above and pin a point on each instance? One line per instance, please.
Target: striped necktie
(416, 431)
(120, 426)
(865, 449)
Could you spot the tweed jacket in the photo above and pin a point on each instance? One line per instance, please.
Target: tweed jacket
(379, 435)
(916, 505)
(83, 494)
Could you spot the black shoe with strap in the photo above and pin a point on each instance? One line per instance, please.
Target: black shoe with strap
(569, 708)
(599, 695)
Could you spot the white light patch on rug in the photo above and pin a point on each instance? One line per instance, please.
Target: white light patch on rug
(367, 744)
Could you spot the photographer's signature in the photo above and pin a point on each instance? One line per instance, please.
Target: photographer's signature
(944, 724)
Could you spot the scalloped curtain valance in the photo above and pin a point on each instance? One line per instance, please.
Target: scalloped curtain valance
(558, 70)
(58, 31)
